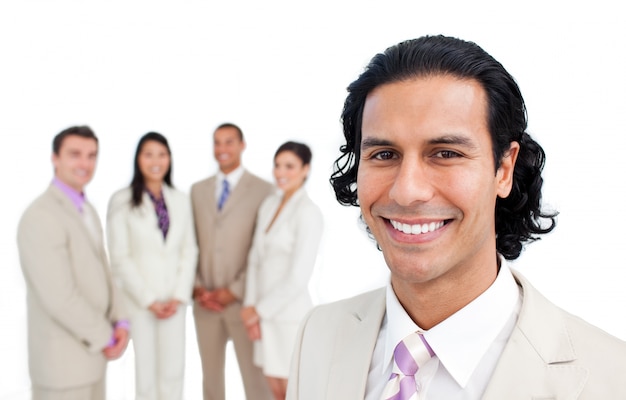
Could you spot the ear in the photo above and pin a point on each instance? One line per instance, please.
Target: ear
(504, 175)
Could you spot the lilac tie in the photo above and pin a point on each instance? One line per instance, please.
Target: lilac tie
(408, 355)
(224, 195)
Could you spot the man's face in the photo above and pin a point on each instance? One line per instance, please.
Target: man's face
(76, 161)
(427, 184)
(227, 148)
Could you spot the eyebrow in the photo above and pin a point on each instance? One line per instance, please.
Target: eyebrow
(454, 139)
(373, 142)
(459, 140)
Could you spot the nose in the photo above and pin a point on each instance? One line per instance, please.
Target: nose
(412, 183)
(85, 162)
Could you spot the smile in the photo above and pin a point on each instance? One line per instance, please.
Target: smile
(416, 229)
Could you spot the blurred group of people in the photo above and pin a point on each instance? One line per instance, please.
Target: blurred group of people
(239, 248)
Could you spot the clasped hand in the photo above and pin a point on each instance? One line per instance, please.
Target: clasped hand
(213, 300)
(118, 345)
(164, 309)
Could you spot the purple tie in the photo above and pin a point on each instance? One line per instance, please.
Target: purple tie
(408, 355)
(163, 217)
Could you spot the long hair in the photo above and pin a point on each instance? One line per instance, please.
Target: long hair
(138, 183)
(519, 218)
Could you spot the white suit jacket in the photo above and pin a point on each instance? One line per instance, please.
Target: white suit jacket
(281, 260)
(551, 354)
(148, 267)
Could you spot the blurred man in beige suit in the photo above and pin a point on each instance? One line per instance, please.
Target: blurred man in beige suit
(74, 321)
(225, 207)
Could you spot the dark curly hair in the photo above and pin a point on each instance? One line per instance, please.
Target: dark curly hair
(518, 217)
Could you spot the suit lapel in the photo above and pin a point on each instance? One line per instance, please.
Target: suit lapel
(537, 362)
(354, 346)
(206, 195)
(239, 193)
(97, 241)
(69, 209)
(286, 214)
(72, 214)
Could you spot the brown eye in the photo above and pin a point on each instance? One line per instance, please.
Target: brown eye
(384, 155)
(447, 154)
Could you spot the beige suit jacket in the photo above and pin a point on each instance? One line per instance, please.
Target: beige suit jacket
(551, 354)
(72, 302)
(224, 237)
(149, 268)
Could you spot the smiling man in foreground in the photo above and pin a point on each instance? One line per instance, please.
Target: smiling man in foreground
(449, 185)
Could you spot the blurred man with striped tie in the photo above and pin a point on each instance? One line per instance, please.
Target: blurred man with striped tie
(225, 206)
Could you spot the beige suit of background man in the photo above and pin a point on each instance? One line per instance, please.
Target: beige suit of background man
(74, 321)
(224, 238)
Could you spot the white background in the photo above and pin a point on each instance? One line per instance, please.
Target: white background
(279, 70)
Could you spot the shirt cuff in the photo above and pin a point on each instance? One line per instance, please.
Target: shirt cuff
(124, 324)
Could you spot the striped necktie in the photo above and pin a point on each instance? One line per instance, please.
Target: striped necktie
(412, 352)
(224, 195)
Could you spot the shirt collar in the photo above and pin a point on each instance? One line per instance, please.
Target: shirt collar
(77, 198)
(478, 323)
(233, 177)
(154, 199)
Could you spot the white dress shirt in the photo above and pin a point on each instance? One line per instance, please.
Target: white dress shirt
(467, 344)
(233, 178)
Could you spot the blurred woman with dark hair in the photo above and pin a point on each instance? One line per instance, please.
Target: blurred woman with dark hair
(288, 233)
(153, 255)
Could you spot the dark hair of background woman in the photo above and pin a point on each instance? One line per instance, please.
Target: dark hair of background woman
(138, 184)
(519, 217)
(299, 149)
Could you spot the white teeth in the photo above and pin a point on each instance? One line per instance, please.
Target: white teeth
(416, 229)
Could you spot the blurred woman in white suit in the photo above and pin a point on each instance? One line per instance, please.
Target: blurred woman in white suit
(280, 263)
(153, 255)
